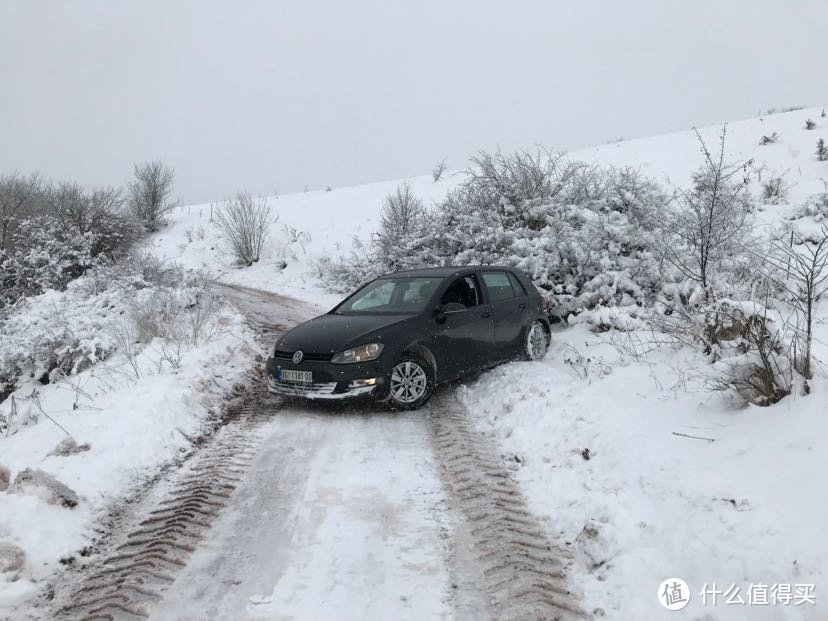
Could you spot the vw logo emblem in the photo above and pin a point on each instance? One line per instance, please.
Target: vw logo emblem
(297, 357)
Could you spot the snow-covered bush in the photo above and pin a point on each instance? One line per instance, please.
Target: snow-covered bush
(184, 314)
(18, 195)
(244, 223)
(402, 222)
(149, 193)
(704, 228)
(42, 258)
(815, 207)
(775, 189)
(99, 213)
(582, 233)
(66, 231)
(822, 150)
(765, 140)
(753, 352)
(58, 333)
(345, 273)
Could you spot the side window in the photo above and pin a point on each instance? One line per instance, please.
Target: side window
(498, 285)
(463, 291)
(517, 286)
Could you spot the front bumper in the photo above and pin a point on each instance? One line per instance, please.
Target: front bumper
(331, 382)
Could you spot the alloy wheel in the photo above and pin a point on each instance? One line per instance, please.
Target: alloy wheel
(409, 382)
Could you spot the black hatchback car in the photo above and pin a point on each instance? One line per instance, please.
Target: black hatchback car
(400, 335)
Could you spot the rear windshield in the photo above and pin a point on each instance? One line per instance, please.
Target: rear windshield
(404, 296)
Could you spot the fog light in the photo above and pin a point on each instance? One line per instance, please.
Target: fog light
(371, 381)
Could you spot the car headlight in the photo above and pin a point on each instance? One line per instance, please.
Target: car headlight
(363, 353)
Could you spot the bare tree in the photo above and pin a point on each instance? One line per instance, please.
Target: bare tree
(99, 212)
(402, 213)
(244, 224)
(16, 195)
(437, 171)
(800, 269)
(149, 193)
(707, 222)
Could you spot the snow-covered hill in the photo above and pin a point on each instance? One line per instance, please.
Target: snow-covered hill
(332, 219)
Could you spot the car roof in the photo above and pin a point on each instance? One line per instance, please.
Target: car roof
(445, 272)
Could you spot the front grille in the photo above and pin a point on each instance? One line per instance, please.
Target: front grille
(288, 355)
(300, 389)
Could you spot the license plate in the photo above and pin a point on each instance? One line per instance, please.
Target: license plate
(295, 376)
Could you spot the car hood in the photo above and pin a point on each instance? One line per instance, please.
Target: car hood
(329, 334)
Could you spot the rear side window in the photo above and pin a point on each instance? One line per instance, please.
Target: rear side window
(517, 286)
(499, 286)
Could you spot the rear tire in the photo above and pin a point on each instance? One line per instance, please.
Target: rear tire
(411, 383)
(536, 342)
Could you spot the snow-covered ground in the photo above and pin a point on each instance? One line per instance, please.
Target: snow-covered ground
(132, 424)
(741, 502)
(597, 436)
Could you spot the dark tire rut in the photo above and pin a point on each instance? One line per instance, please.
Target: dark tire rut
(515, 566)
(151, 543)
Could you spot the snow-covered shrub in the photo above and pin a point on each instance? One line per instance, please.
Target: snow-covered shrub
(345, 273)
(583, 234)
(18, 195)
(184, 313)
(815, 207)
(754, 352)
(704, 228)
(765, 140)
(604, 318)
(149, 193)
(402, 222)
(775, 189)
(66, 232)
(810, 124)
(244, 223)
(115, 306)
(43, 258)
(822, 150)
(99, 213)
(57, 330)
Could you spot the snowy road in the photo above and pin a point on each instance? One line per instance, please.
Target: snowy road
(296, 511)
(341, 516)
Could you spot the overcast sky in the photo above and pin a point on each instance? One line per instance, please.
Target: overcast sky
(274, 96)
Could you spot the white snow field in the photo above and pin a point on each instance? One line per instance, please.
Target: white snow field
(630, 460)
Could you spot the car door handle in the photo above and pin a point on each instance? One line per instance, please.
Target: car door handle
(522, 305)
(485, 314)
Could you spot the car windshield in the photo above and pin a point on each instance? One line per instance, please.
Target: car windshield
(390, 296)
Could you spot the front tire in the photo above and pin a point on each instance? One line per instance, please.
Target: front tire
(537, 341)
(411, 383)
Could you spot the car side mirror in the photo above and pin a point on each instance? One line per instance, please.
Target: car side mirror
(452, 308)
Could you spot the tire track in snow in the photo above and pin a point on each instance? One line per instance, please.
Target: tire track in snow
(137, 568)
(514, 564)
